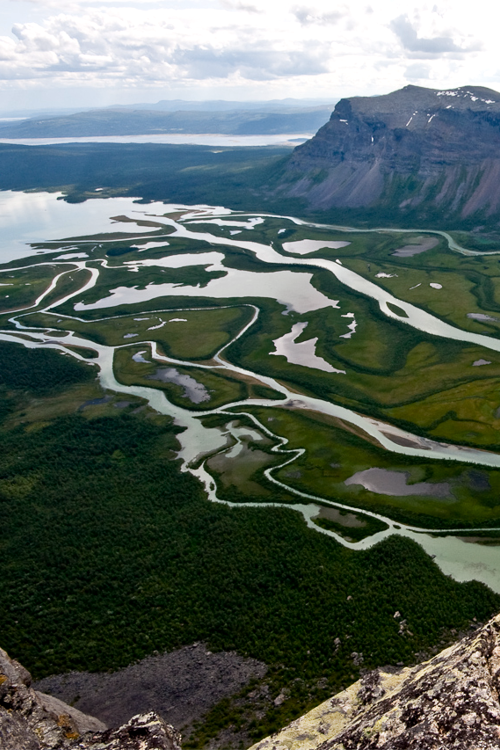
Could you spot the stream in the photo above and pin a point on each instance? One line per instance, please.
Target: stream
(461, 560)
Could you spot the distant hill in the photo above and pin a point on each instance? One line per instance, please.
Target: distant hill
(225, 105)
(264, 120)
(414, 155)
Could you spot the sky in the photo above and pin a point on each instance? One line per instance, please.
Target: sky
(81, 53)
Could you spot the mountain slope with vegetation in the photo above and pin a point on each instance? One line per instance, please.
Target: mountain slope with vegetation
(416, 154)
(128, 121)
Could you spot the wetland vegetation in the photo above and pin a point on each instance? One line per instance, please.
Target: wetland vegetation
(111, 552)
(386, 369)
(107, 463)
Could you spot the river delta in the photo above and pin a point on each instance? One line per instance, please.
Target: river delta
(323, 369)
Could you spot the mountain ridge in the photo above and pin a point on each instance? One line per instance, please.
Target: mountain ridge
(125, 121)
(428, 154)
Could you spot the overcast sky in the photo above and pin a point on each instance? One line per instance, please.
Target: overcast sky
(86, 53)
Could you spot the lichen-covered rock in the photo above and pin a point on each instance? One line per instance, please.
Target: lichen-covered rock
(450, 702)
(30, 720)
(24, 720)
(59, 710)
(142, 732)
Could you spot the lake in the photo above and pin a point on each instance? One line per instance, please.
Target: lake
(201, 139)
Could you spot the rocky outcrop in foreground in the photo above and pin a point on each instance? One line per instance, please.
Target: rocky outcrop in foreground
(419, 153)
(30, 720)
(449, 702)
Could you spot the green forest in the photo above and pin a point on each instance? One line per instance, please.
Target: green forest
(248, 178)
(109, 553)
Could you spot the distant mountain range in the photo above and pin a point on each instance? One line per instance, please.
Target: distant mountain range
(177, 105)
(414, 155)
(179, 117)
(224, 105)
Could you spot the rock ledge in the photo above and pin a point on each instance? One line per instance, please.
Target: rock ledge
(450, 702)
(30, 720)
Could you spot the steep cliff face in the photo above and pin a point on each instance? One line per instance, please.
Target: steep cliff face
(449, 702)
(30, 720)
(416, 152)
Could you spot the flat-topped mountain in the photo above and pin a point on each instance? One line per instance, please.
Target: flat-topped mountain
(424, 154)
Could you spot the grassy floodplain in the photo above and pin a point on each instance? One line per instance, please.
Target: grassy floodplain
(393, 372)
(155, 566)
(20, 287)
(219, 390)
(333, 454)
(198, 336)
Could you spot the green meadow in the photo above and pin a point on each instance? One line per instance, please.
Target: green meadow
(20, 287)
(335, 452)
(197, 336)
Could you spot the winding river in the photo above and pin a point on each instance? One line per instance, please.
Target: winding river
(464, 561)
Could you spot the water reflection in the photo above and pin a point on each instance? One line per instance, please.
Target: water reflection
(37, 217)
(294, 289)
(194, 391)
(303, 247)
(289, 288)
(385, 482)
(304, 353)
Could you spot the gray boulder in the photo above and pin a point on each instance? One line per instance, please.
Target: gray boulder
(31, 720)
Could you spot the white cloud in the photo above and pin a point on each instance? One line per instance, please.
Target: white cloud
(284, 48)
(306, 15)
(234, 5)
(420, 46)
(154, 44)
(257, 63)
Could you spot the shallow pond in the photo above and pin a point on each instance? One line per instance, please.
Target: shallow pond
(349, 520)
(385, 482)
(482, 317)
(408, 251)
(303, 247)
(301, 354)
(194, 391)
(292, 288)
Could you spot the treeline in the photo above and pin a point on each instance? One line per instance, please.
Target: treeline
(42, 371)
(179, 173)
(108, 552)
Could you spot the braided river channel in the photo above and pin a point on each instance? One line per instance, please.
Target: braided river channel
(40, 229)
